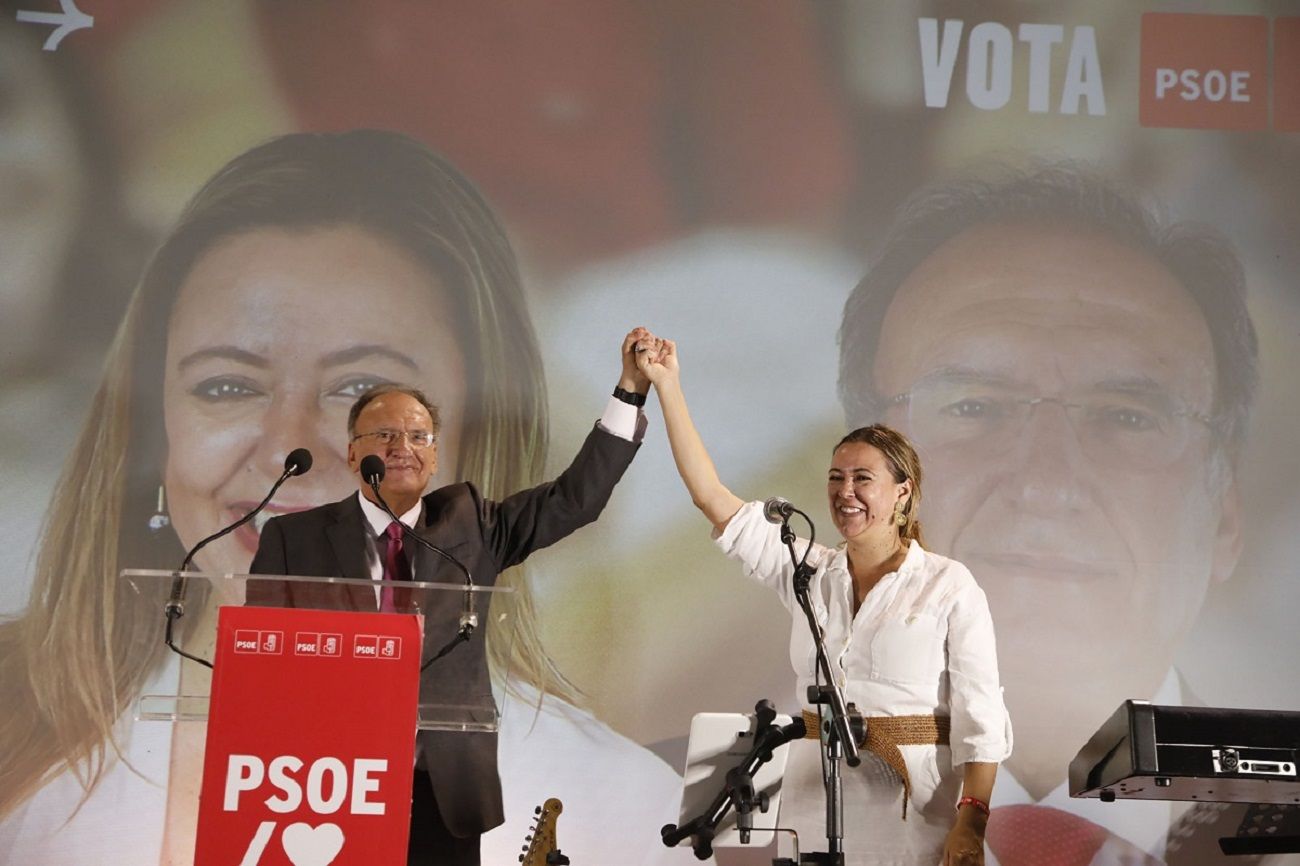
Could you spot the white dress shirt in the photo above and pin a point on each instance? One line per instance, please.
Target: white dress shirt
(379, 520)
(921, 644)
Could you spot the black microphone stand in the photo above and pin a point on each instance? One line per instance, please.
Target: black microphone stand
(373, 475)
(738, 787)
(846, 726)
(298, 462)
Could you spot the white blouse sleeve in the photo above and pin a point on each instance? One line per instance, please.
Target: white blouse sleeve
(756, 543)
(981, 727)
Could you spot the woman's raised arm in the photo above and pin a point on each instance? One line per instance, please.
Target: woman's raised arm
(694, 465)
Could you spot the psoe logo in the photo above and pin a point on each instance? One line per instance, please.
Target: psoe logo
(331, 645)
(991, 51)
(320, 644)
(1204, 71)
(256, 642)
(326, 786)
(272, 643)
(376, 646)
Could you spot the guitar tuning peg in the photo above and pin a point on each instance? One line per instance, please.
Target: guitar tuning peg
(521, 858)
(537, 810)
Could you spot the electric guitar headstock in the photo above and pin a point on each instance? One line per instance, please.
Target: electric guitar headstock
(540, 847)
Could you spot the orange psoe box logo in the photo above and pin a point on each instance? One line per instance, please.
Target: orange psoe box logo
(1204, 71)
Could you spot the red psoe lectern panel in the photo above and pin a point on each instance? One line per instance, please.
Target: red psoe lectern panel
(311, 739)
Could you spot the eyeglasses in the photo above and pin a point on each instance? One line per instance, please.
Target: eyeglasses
(418, 439)
(1142, 429)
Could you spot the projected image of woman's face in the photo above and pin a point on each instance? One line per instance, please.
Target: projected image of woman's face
(274, 335)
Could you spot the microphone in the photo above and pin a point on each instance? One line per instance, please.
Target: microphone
(372, 469)
(778, 510)
(372, 472)
(297, 462)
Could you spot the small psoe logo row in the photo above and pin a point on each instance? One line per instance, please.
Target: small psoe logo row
(320, 644)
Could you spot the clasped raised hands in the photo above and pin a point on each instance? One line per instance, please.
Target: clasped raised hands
(657, 362)
(639, 342)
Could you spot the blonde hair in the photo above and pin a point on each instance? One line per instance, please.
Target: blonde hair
(72, 664)
(904, 465)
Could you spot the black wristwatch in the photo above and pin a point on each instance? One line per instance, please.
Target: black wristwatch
(632, 398)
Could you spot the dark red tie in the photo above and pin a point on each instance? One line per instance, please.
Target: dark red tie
(396, 566)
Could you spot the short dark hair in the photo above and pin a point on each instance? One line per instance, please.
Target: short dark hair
(392, 388)
(1072, 196)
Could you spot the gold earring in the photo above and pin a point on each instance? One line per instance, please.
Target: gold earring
(899, 517)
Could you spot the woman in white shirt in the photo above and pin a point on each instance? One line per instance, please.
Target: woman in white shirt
(908, 635)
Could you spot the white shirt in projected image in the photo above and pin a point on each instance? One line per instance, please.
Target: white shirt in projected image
(616, 795)
(1144, 824)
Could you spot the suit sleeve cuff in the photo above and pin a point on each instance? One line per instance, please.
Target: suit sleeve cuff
(624, 420)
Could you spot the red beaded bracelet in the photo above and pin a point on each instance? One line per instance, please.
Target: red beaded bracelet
(974, 801)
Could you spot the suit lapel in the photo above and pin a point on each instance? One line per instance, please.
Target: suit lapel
(428, 566)
(347, 537)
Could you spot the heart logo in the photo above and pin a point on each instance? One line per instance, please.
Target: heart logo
(312, 846)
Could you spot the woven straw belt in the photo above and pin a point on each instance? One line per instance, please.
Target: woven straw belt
(886, 733)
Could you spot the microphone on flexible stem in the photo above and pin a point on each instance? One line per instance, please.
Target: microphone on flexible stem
(372, 472)
(297, 462)
(778, 510)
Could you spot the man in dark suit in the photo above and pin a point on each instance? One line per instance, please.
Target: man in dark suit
(457, 793)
